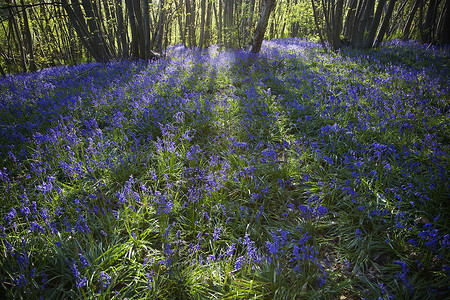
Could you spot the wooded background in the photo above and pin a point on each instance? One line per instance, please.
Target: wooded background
(39, 34)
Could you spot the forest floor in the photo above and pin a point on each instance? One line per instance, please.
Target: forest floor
(295, 174)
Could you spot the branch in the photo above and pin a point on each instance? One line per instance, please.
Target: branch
(23, 7)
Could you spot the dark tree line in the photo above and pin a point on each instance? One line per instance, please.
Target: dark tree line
(41, 33)
(365, 23)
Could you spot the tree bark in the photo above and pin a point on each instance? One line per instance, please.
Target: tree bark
(444, 24)
(20, 44)
(407, 28)
(374, 26)
(316, 21)
(134, 29)
(121, 31)
(202, 23)
(350, 19)
(146, 29)
(190, 17)
(28, 37)
(77, 20)
(361, 25)
(258, 36)
(208, 22)
(385, 24)
(428, 25)
(161, 22)
(398, 16)
(94, 30)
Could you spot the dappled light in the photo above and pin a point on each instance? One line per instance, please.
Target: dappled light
(295, 173)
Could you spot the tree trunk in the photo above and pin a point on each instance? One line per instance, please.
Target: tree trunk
(426, 36)
(161, 22)
(77, 20)
(202, 24)
(121, 31)
(94, 30)
(444, 24)
(2, 72)
(28, 37)
(385, 24)
(350, 19)
(190, 17)
(421, 18)
(20, 45)
(362, 23)
(396, 21)
(208, 22)
(407, 28)
(146, 29)
(110, 31)
(258, 36)
(316, 21)
(139, 28)
(134, 29)
(374, 26)
(337, 24)
(179, 6)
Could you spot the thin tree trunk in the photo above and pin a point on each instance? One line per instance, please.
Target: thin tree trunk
(134, 29)
(316, 21)
(77, 21)
(62, 36)
(221, 23)
(358, 32)
(2, 54)
(28, 38)
(421, 18)
(374, 26)
(258, 36)
(251, 16)
(202, 24)
(137, 8)
(350, 19)
(444, 24)
(94, 30)
(396, 21)
(108, 28)
(2, 71)
(385, 24)
(146, 30)
(218, 22)
(161, 22)
(407, 28)
(179, 6)
(20, 45)
(208, 22)
(427, 26)
(121, 31)
(194, 20)
(39, 35)
(189, 25)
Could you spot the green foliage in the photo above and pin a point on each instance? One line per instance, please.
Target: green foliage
(296, 174)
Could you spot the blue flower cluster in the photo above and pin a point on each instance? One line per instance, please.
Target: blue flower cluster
(224, 160)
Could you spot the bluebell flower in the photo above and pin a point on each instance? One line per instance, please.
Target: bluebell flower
(83, 261)
(403, 275)
(104, 279)
(217, 231)
(80, 281)
(240, 261)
